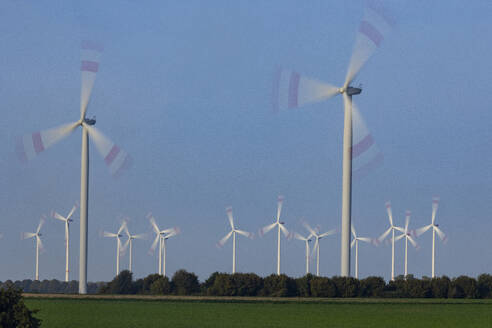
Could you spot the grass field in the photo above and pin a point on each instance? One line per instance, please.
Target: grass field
(110, 313)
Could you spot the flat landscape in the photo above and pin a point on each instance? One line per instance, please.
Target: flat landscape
(257, 312)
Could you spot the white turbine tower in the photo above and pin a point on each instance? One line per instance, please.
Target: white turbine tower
(39, 243)
(293, 90)
(233, 234)
(161, 237)
(435, 229)
(306, 240)
(67, 221)
(317, 236)
(118, 235)
(129, 242)
(391, 229)
(407, 235)
(355, 242)
(115, 158)
(280, 226)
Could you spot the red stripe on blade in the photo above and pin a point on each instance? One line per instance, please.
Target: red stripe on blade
(371, 32)
(19, 148)
(37, 142)
(363, 171)
(362, 146)
(89, 66)
(382, 11)
(91, 45)
(293, 89)
(127, 163)
(112, 154)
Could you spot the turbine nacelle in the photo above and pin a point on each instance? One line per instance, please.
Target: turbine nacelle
(90, 121)
(350, 90)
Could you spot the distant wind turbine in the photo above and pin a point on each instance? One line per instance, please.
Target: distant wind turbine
(406, 234)
(435, 229)
(391, 229)
(355, 242)
(233, 234)
(306, 240)
(118, 235)
(317, 236)
(280, 226)
(115, 158)
(161, 237)
(293, 90)
(129, 242)
(67, 221)
(39, 243)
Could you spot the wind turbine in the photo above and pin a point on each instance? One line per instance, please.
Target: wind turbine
(39, 243)
(129, 242)
(67, 221)
(280, 226)
(435, 229)
(161, 237)
(115, 158)
(355, 242)
(391, 229)
(233, 234)
(292, 90)
(317, 236)
(408, 237)
(118, 236)
(306, 240)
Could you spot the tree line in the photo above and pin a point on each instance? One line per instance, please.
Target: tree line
(250, 284)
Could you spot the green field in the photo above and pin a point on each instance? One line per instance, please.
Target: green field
(209, 313)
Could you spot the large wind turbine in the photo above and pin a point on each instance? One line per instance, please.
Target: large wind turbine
(67, 221)
(118, 235)
(408, 237)
(435, 229)
(293, 90)
(317, 236)
(280, 226)
(306, 240)
(355, 242)
(233, 234)
(391, 229)
(39, 243)
(129, 242)
(115, 158)
(161, 237)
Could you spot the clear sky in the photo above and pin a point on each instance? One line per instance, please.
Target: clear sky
(185, 88)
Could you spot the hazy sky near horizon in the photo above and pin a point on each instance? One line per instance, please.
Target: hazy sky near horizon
(185, 88)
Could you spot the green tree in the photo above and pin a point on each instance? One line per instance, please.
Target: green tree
(440, 287)
(185, 283)
(323, 287)
(13, 312)
(485, 285)
(161, 286)
(121, 284)
(463, 287)
(303, 285)
(372, 287)
(278, 285)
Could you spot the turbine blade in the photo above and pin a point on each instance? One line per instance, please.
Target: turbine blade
(353, 231)
(153, 224)
(90, 57)
(223, 240)
(374, 27)
(27, 235)
(124, 247)
(390, 213)
(244, 233)
(122, 227)
(407, 220)
(280, 202)
(229, 216)
(267, 228)
(30, 145)
(140, 236)
(308, 227)
(115, 158)
(316, 245)
(71, 212)
(109, 234)
(435, 205)
(441, 234)
(328, 233)
(420, 231)
(285, 231)
(352, 243)
(58, 216)
(291, 90)
(400, 237)
(383, 236)
(365, 239)
(154, 244)
(366, 156)
(399, 229)
(300, 237)
(40, 225)
(412, 241)
(40, 243)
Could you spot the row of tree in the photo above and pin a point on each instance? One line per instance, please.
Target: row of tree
(250, 284)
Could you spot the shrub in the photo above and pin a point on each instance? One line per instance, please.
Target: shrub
(346, 286)
(13, 311)
(185, 283)
(323, 287)
(303, 285)
(278, 285)
(485, 286)
(440, 287)
(161, 286)
(372, 287)
(463, 287)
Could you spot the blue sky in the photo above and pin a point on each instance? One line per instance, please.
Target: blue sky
(185, 88)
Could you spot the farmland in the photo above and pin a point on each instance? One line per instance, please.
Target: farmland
(257, 312)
